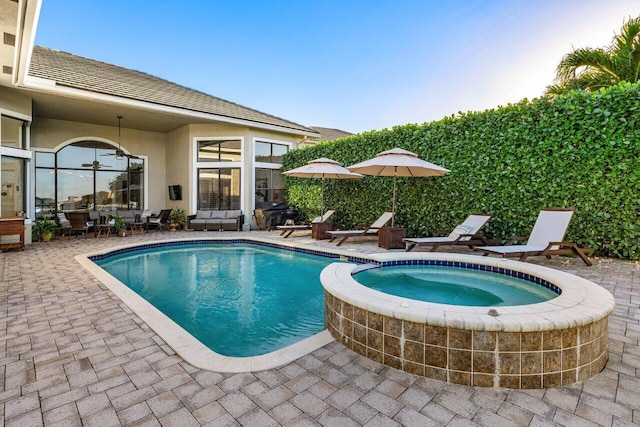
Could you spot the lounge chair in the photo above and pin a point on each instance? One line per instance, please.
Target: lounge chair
(546, 239)
(464, 234)
(288, 229)
(372, 230)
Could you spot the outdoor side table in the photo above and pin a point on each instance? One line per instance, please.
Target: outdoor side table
(319, 230)
(391, 237)
(104, 230)
(136, 226)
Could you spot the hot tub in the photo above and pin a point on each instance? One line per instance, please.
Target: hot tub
(547, 344)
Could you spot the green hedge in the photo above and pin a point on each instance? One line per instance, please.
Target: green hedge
(581, 151)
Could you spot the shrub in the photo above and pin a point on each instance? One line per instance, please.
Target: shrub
(580, 150)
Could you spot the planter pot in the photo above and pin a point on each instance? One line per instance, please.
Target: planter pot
(122, 233)
(46, 236)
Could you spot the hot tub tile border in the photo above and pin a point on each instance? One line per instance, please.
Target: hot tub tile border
(577, 351)
(454, 355)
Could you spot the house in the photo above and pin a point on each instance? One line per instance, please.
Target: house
(330, 134)
(80, 134)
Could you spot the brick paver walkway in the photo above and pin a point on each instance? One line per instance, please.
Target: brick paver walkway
(73, 354)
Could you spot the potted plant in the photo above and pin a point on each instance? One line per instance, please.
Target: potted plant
(44, 229)
(177, 219)
(118, 224)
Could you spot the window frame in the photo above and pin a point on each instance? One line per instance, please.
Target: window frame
(197, 165)
(55, 168)
(23, 153)
(219, 160)
(219, 181)
(264, 165)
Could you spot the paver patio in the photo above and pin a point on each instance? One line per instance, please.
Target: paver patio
(74, 354)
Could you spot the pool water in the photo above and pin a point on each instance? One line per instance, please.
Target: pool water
(456, 286)
(237, 299)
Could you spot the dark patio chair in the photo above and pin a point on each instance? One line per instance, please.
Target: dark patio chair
(79, 223)
(159, 222)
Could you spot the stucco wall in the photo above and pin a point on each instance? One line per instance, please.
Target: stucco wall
(12, 101)
(178, 167)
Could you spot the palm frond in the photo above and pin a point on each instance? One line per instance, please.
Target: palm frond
(585, 60)
(592, 69)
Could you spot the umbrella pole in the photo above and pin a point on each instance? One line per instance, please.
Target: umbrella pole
(322, 212)
(394, 201)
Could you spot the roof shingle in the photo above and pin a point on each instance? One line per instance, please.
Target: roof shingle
(100, 77)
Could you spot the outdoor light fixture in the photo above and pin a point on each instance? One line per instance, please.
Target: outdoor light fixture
(119, 152)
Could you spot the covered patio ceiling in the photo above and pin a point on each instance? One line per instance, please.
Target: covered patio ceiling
(103, 113)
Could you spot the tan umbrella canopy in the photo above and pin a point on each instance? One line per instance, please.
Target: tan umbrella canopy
(397, 162)
(322, 168)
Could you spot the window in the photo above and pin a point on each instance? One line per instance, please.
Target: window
(219, 189)
(12, 187)
(12, 132)
(13, 146)
(269, 187)
(219, 171)
(87, 176)
(219, 151)
(267, 152)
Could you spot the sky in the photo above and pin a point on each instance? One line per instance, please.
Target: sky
(345, 64)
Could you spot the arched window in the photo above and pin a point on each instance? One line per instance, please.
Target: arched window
(86, 176)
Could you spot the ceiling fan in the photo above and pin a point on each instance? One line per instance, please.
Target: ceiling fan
(119, 151)
(95, 165)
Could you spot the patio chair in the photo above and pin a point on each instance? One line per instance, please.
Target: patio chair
(372, 230)
(79, 223)
(546, 239)
(288, 229)
(464, 234)
(159, 222)
(63, 222)
(93, 221)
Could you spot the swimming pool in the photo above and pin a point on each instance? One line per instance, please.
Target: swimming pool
(238, 299)
(457, 286)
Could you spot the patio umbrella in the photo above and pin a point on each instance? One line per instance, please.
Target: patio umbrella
(322, 168)
(397, 162)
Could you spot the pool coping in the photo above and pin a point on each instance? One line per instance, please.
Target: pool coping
(197, 354)
(182, 342)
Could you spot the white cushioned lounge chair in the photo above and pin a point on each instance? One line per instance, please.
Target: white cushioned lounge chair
(546, 238)
(464, 234)
(288, 229)
(372, 230)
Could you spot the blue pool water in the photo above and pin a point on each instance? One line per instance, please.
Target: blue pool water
(451, 285)
(237, 299)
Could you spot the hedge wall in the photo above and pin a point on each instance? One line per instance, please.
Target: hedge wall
(581, 151)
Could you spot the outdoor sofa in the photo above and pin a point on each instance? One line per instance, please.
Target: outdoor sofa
(216, 220)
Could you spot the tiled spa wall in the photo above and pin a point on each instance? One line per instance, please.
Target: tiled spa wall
(478, 358)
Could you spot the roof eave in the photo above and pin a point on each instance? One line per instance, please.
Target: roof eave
(28, 15)
(50, 87)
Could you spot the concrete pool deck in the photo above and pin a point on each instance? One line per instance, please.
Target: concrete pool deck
(74, 354)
